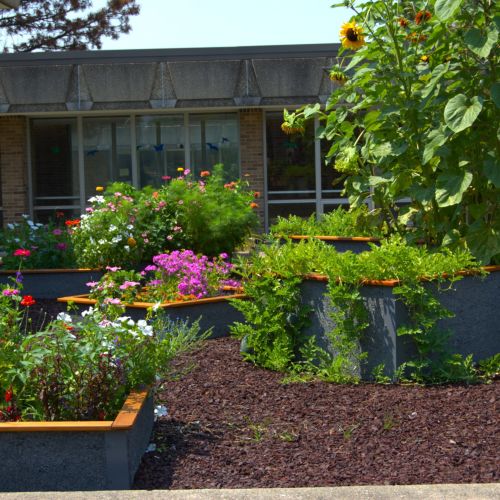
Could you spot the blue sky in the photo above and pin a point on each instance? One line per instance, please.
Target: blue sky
(225, 23)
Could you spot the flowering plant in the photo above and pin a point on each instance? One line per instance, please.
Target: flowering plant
(124, 226)
(178, 275)
(36, 245)
(216, 216)
(416, 116)
(81, 370)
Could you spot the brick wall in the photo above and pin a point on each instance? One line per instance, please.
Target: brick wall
(252, 154)
(13, 167)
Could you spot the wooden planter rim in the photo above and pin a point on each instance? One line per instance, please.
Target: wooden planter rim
(125, 419)
(84, 300)
(364, 239)
(395, 282)
(49, 271)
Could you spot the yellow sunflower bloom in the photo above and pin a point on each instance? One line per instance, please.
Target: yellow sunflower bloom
(351, 36)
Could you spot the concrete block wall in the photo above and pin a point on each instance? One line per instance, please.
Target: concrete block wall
(252, 154)
(13, 167)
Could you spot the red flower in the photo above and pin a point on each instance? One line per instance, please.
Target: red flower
(204, 173)
(422, 16)
(28, 300)
(403, 22)
(8, 394)
(73, 222)
(254, 205)
(59, 214)
(21, 252)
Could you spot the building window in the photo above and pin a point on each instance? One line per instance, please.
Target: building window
(160, 147)
(107, 152)
(54, 153)
(298, 180)
(214, 139)
(291, 177)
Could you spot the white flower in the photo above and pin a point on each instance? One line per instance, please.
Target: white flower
(112, 227)
(62, 316)
(130, 227)
(96, 199)
(117, 239)
(89, 311)
(10, 226)
(160, 411)
(123, 319)
(151, 447)
(156, 306)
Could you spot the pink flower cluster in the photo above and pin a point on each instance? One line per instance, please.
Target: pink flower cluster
(194, 274)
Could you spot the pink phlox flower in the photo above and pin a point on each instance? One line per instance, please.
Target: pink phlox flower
(128, 284)
(92, 284)
(57, 232)
(8, 292)
(113, 301)
(113, 269)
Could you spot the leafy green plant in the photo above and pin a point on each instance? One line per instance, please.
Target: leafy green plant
(216, 216)
(357, 221)
(276, 317)
(415, 117)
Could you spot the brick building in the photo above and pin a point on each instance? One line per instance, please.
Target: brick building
(74, 120)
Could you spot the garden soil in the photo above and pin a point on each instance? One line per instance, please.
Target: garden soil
(233, 425)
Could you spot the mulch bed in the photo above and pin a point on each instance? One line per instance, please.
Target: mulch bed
(232, 425)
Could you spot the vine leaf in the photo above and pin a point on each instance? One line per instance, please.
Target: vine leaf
(450, 187)
(460, 112)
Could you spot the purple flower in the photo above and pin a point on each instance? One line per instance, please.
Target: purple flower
(19, 277)
(57, 232)
(151, 267)
(61, 246)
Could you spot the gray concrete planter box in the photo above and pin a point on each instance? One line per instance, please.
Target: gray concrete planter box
(53, 283)
(214, 312)
(75, 456)
(356, 244)
(475, 328)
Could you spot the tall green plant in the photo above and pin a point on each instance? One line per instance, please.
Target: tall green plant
(415, 115)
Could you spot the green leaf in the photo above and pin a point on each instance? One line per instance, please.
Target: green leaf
(435, 139)
(460, 112)
(491, 169)
(382, 150)
(483, 242)
(495, 94)
(481, 43)
(446, 8)
(450, 187)
(375, 180)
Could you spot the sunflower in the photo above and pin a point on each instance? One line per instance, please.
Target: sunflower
(422, 16)
(337, 75)
(352, 36)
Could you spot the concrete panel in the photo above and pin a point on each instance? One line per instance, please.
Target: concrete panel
(204, 79)
(78, 97)
(289, 77)
(119, 82)
(35, 84)
(163, 92)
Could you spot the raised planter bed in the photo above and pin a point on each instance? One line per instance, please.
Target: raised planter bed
(52, 283)
(356, 244)
(475, 327)
(213, 312)
(78, 455)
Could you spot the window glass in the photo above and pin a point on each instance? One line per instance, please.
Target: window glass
(215, 139)
(107, 156)
(160, 147)
(54, 158)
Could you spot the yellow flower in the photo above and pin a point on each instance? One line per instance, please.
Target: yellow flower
(131, 242)
(425, 59)
(99, 189)
(180, 169)
(352, 36)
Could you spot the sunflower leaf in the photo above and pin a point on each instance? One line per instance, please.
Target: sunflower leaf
(481, 43)
(446, 8)
(460, 112)
(450, 187)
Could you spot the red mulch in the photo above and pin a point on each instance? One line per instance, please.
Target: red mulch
(232, 425)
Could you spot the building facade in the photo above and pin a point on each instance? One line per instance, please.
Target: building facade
(72, 121)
